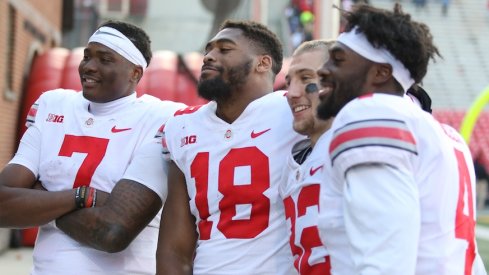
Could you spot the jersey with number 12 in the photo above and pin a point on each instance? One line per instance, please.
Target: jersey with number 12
(300, 191)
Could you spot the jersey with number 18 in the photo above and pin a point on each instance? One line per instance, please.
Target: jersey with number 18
(232, 173)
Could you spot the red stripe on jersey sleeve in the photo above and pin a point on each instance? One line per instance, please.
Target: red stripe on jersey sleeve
(372, 132)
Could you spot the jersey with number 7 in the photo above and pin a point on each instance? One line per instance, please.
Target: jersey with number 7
(71, 146)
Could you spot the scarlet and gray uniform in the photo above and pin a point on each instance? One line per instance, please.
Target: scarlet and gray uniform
(67, 146)
(300, 191)
(233, 172)
(402, 199)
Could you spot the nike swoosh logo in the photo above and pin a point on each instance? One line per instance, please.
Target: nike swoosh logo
(257, 134)
(116, 130)
(314, 170)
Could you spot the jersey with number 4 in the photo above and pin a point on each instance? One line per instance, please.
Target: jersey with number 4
(232, 173)
(78, 148)
(436, 167)
(300, 191)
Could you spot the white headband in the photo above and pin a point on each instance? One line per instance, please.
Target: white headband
(118, 42)
(358, 42)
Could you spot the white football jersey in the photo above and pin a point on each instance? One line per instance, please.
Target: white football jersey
(78, 148)
(434, 227)
(232, 173)
(300, 192)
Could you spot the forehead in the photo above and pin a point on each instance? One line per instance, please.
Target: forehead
(100, 48)
(233, 35)
(346, 51)
(310, 60)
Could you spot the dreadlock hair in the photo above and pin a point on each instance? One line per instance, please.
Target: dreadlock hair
(265, 41)
(138, 36)
(408, 41)
(320, 44)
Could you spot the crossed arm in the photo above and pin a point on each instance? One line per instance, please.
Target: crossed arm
(178, 236)
(21, 206)
(112, 226)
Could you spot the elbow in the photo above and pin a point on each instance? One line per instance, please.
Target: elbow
(116, 239)
(115, 248)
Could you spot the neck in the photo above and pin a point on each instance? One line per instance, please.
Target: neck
(100, 109)
(322, 127)
(233, 107)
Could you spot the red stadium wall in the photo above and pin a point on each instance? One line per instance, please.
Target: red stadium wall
(479, 142)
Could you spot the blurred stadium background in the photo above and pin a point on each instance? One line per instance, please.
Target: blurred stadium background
(41, 50)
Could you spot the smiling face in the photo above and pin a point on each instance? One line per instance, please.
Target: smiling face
(228, 61)
(342, 78)
(302, 71)
(105, 75)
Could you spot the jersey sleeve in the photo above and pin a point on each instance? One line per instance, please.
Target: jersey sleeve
(148, 168)
(365, 133)
(29, 151)
(148, 165)
(382, 219)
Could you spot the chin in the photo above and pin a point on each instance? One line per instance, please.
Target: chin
(301, 129)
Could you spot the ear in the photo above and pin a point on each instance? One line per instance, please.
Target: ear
(383, 73)
(137, 74)
(264, 63)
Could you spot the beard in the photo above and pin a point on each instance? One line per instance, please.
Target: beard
(331, 104)
(329, 107)
(219, 90)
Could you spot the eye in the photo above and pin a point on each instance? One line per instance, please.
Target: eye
(336, 59)
(105, 59)
(306, 78)
(224, 50)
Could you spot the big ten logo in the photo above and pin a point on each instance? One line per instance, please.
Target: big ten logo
(188, 140)
(55, 118)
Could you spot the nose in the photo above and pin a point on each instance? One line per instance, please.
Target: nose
(87, 65)
(209, 56)
(295, 90)
(323, 73)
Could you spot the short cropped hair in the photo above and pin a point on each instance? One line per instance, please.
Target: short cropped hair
(311, 45)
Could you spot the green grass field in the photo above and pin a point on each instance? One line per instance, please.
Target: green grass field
(483, 244)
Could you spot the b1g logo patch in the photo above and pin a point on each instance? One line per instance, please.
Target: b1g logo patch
(188, 140)
(55, 118)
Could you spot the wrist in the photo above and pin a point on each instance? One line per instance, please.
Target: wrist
(85, 197)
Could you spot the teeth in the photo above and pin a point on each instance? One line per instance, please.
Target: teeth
(300, 108)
